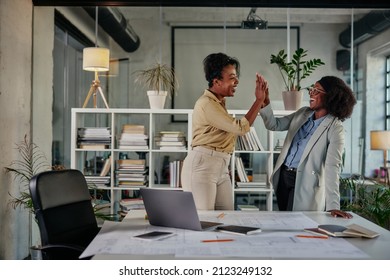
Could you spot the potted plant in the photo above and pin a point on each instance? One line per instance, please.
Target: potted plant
(293, 72)
(31, 162)
(371, 201)
(159, 80)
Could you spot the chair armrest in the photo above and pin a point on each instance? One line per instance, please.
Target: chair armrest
(61, 251)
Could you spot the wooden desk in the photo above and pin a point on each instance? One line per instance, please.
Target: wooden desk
(377, 248)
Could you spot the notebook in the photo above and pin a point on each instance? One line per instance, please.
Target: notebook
(173, 208)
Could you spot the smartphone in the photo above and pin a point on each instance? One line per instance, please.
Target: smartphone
(154, 235)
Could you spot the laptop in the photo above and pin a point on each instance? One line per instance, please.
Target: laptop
(173, 208)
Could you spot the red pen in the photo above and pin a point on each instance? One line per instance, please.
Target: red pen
(218, 240)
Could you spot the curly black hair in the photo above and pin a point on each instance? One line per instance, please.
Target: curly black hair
(214, 63)
(339, 99)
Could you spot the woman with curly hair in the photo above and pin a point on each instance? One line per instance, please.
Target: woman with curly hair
(306, 174)
(214, 132)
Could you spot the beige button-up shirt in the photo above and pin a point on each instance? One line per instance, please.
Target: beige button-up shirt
(213, 127)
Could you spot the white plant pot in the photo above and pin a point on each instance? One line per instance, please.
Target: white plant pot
(157, 99)
(292, 99)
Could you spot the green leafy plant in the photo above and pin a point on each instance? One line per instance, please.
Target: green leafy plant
(369, 201)
(32, 161)
(159, 77)
(294, 71)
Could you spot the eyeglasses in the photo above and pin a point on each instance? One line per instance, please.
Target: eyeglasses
(315, 91)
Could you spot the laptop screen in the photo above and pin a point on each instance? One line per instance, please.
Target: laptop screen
(171, 208)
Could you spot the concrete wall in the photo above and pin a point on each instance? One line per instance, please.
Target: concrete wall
(26, 108)
(16, 24)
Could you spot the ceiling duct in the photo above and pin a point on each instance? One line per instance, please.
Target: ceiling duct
(117, 26)
(368, 26)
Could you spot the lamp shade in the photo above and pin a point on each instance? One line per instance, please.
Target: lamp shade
(380, 140)
(96, 59)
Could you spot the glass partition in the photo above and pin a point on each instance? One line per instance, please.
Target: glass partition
(183, 36)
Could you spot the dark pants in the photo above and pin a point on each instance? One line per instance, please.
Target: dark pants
(285, 190)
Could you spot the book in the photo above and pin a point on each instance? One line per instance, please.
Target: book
(155, 235)
(251, 185)
(106, 167)
(333, 230)
(242, 230)
(127, 204)
(360, 231)
(93, 146)
(241, 170)
(247, 207)
(315, 231)
(257, 139)
(352, 230)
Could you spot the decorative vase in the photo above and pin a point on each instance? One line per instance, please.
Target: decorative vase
(292, 99)
(157, 99)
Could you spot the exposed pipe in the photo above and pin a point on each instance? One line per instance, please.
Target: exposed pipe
(117, 26)
(368, 26)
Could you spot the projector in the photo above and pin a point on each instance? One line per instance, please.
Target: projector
(254, 24)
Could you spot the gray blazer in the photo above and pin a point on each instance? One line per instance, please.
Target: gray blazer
(317, 180)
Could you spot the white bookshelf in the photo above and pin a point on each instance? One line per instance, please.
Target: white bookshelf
(151, 119)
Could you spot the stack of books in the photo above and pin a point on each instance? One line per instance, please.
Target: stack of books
(94, 138)
(175, 168)
(352, 230)
(127, 204)
(131, 173)
(249, 141)
(242, 176)
(171, 140)
(133, 137)
(97, 181)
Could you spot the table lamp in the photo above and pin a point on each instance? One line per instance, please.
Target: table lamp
(380, 140)
(97, 60)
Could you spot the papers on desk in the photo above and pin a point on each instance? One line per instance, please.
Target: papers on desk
(276, 241)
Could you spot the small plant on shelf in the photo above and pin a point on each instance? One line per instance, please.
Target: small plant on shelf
(158, 77)
(294, 71)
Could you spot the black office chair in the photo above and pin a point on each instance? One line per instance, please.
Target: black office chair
(64, 213)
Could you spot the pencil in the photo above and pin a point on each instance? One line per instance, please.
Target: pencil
(220, 216)
(217, 240)
(311, 236)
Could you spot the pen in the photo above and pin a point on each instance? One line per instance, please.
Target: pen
(217, 240)
(220, 216)
(312, 236)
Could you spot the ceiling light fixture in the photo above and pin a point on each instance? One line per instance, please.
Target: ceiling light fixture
(96, 59)
(253, 21)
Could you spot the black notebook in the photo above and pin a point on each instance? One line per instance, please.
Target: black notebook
(243, 230)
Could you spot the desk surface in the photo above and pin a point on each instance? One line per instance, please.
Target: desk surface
(270, 244)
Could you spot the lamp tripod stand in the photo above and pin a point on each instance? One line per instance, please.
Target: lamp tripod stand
(93, 91)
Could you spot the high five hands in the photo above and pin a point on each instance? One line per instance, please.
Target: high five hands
(261, 92)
